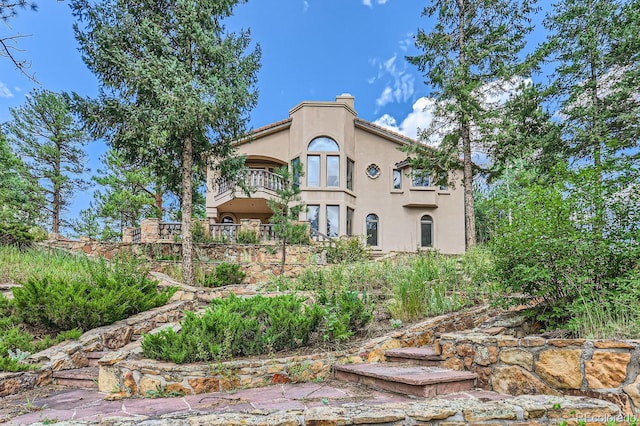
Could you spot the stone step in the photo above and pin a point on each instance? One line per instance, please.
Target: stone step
(425, 356)
(94, 356)
(81, 378)
(406, 378)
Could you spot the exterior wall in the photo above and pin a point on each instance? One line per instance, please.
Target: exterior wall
(399, 211)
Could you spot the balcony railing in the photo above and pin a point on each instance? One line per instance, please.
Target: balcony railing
(170, 230)
(255, 179)
(224, 232)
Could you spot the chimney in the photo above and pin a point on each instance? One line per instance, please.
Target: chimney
(346, 99)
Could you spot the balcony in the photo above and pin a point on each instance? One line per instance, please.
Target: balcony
(420, 197)
(262, 185)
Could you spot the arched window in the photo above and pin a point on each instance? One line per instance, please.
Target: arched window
(426, 231)
(227, 219)
(323, 144)
(319, 153)
(372, 230)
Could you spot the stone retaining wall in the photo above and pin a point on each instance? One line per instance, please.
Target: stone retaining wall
(73, 353)
(605, 369)
(128, 371)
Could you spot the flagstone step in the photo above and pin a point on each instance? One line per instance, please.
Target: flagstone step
(406, 378)
(425, 356)
(95, 356)
(80, 378)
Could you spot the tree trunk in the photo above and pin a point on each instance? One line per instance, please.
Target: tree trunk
(158, 198)
(284, 255)
(469, 210)
(57, 198)
(187, 241)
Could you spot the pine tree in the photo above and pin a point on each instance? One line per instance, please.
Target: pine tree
(472, 46)
(176, 87)
(50, 140)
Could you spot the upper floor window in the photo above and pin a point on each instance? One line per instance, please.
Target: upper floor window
(323, 144)
(322, 166)
(421, 177)
(350, 168)
(397, 179)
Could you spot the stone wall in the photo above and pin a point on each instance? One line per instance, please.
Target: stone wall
(604, 369)
(73, 353)
(129, 371)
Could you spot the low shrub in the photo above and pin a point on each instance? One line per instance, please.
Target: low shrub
(15, 234)
(110, 293)
(259, 325)
(347, 250)
(224, 274)
(236, 327)
(247, 237)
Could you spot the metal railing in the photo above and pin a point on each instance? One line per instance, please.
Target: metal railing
(224, 232)
(136, 235)
(255, 179)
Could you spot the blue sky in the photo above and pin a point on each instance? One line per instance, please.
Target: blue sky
(311, 50)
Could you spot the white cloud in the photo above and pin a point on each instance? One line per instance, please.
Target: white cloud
(420, 117)
(368, 3)
(402, 84)
(5, 92)
(305, 6)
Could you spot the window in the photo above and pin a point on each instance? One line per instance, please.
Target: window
(313, 170)
(373, 171)
(296, 177)
(323, 144)
(333, 170)
(227, 219)
(313, 211)
(443, 181)
(372, 230)
(333, 221)
(426, 231)
(421, 178)
(349, 221)
(397, 179)
(350, 167)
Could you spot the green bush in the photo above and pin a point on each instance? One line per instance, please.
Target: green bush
(345, 313)
(224, 274)
(110, 293)
(247, 237)
(236, 327)
(347, 250)
(14, 234)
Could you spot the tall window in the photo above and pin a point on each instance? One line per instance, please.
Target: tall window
(333, 221)
(349, 221)
(319, 156)
(333, 170)
(296, 176)
(350, 167)
(397, 179)
(313, 170)
(372, 230)
(426, 231)
(313, 212)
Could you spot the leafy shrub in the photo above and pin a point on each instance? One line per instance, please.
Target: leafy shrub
(14, 234)
(236, 327)
(346, 312)
(247, 237)
(347, 250)
(298, 234)
(224, 274)
(111, 293)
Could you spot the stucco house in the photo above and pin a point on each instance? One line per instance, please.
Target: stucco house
(356, 181)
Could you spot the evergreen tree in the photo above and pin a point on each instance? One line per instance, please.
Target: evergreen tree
(594, 44)
(127, 194)
(176, 87)
(49, 139)
(472, 46)
(20, 194)
(287, 207)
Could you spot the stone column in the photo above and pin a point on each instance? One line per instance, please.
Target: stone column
(149, 230)
(127, 235)
(251, 225)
